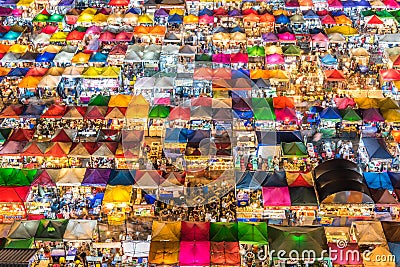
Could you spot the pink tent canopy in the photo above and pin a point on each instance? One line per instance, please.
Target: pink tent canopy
(221, 58)
(93, 30)
(222, 73)
(288, 37)
(275, 59)
(195, 231)
(107, 37)
(335, 4)
(194, 253)
(180, 113)
(206, 19)
(391, 4)
(276, 196)
(203, 74)
(343, 103)
(319, 38)
(328, 20)
(17, 12)
(201, 101)
(239, 58)
(162, 101)
(285, 114)
(49, 29)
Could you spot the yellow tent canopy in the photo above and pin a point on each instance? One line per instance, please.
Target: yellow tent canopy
(49, 81)
(191, 19)
(366, 103)
(19, 49)
(4, 71)
(130, 18)
(138, 108)
(279, 75)
(29, 82)
(92, 72)
(391, 115)
(280, 12)
(164, 253)
(345, 30)
(85, 17)
(59, 37)
(377, 256)
(145, 19)
(117, 194)
(111, 72)
(25, 3)
(99, 18)
(90, 11)
(121, 101)
(80, 58)
(55, 71)
(273, 49)
(177, 11)
(166, 231)
(51, 49)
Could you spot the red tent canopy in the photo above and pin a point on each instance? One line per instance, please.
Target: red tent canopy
(225, 253)
(13, 148)
(180, 113)
(95, 112)
(33, 150)
(49, 29)
(43, 179)
(283, 102)
(12, 111)
(55, 111)
(17, 194)
(75, 36)
(195, 231)
(56, 150)
(201, 101)
(21, 135)
(374, 20)
(61, 136)
(334, 75)
(390, 75)
(107, 37)
(37, 72)
(119, 3)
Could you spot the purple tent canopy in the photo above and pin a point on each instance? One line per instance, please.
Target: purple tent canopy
(348, 4)
(66, 3)
(292, 3)
(221, 58)
(96, 177)
(275, 59)
(372, 114)
(269, 37)
(9, 2)
(93, 45)
(5, 11)
(242, 104)
(161, 13)
(234, 13)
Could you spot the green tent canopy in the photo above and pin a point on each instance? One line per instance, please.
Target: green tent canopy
(19, 243)
(383, 14)
(51, 230)
(224, 232)
(350, 114)
(4, 134)
(292, 50)
(260, 102)
(294, 149)
(56, 18)
(81, 29)
(159, 111)
(256, 51)
(367, 13)
(253, 233)
(264, 114)
(99, 100)
(203, 57)
(17, 177)
(41, 18)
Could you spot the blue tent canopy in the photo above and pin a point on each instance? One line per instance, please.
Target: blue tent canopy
(237, 29)
(282, 19)
(33, 111)
(11, 36)
(175, 18)
(336, 13)
(206, 11)
(122, 177)
(362, 3)
(395, 179)
(98, 57)
(198, 135)
(376, 148)
(96, 199)
(134, 10)
(329, 114)
(329, 60)
(275, 179)
(244, 115)
(348, 4)
(18, 72)
(274, 138)
(46, 57)
(309, 14)
(176, 135)
(394, 248)
(316, 31)
(250, 179)
(378, 180)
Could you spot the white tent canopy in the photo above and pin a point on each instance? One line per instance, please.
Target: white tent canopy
(136, 249)
(80, 230)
